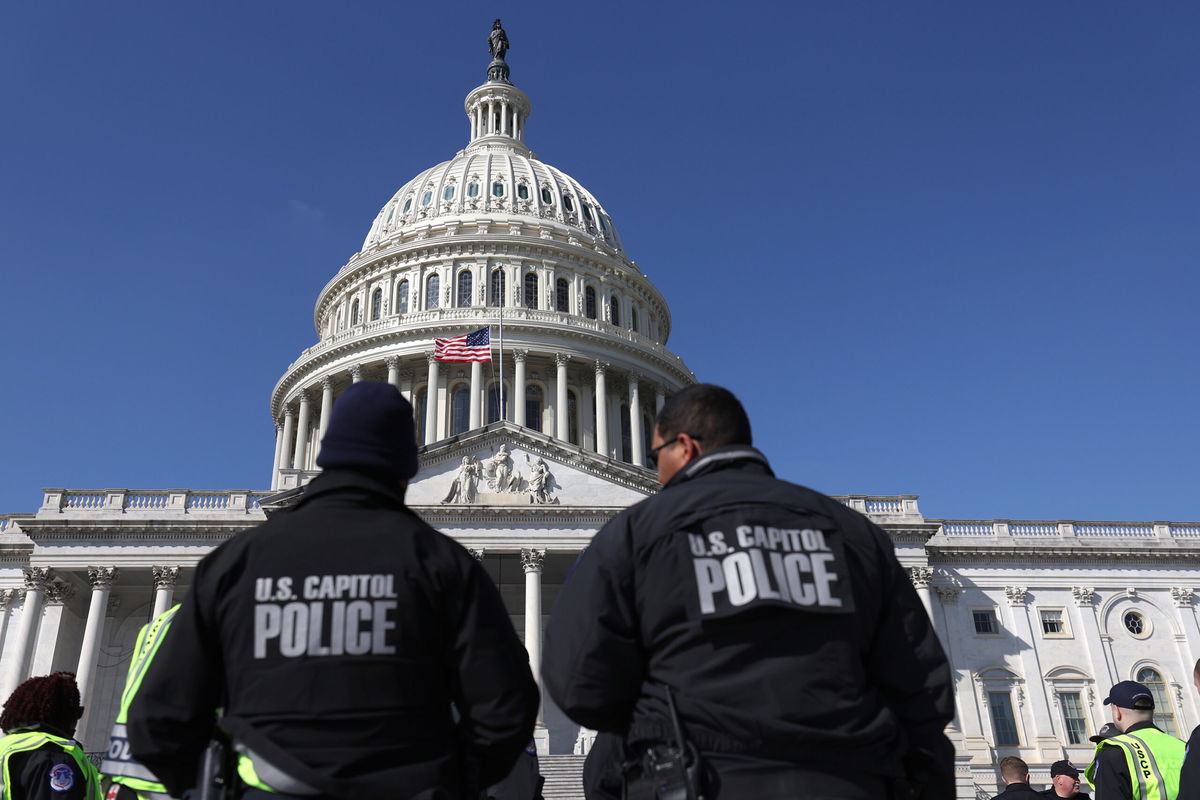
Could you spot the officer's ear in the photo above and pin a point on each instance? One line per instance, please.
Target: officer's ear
(693, 448)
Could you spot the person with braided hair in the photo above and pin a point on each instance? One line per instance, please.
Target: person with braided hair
(39, 758)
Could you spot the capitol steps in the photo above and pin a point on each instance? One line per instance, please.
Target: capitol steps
(564, 777)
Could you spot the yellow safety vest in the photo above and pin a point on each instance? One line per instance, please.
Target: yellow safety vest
(118, 763)
(1154, 759)
(33, 740)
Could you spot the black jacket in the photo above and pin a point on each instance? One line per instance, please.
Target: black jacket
(792, 638)
(48, 773)
(1019, 791)
(336, 637)
(1189, 776)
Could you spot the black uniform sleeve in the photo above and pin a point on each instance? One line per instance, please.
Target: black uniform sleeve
(494, 689)
(47, 774)
(1189, 776)
(1112, 775)
(171, 719)
(906, 663)
(594, 662)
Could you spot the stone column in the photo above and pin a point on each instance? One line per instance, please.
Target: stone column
(601, 409)
(289, 430)
(356, 373)
(635, 422)
(302, 433)
(921, 577)
(326, 408)
(278, 450)
(431, 397)
(17, 668)
(393, 368)
(101, 579)
(518, 398)
(1098, 656)
(532, 562)
(560, 399)
(660, 398)
(1043, 727)
(164, 588)
(6, 598)
(476, 416)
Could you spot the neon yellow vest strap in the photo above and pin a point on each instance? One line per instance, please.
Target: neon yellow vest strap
(1154, 760)
(25, 742)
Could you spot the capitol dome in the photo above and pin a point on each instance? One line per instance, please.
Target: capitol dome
(491, 238)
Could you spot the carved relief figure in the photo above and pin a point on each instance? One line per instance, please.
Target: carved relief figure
(541, 481)
(501, 477)
(462, 490)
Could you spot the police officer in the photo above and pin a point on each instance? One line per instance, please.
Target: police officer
(356, 652)
(130, 780)
(1141, 762)
(39, 758)
(774, 621)
(1015, 774)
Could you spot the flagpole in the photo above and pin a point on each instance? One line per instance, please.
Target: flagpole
(503, 415)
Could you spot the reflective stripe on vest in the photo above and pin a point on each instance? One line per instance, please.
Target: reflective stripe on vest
(119, 764)
(257, 772)
(1154, 760)
(26, 742)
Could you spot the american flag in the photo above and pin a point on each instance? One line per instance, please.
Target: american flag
(474, 346)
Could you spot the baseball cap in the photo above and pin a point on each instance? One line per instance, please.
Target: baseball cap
(1130, 694)
(1107, 731)
(1064, 767)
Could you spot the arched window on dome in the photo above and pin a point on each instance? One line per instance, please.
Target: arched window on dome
(460, 409)
(465, 285)
(376, 304)
(614, 310)
(496, 286)
(355, 313)
(562, 296)
(473, 189)
(522, 191)
(391, 214)
(530, 290)
(589, 303)
(587, 212)
(407, 205)
(433, 288)
(568, 203)
(493, 402)
(419, 414)
(547, 196)
(533, 406)
(497, 188)
(427, 198)
(448, 193)
(1164, 714)
(626, 436)
(572, 417)
(402, 298)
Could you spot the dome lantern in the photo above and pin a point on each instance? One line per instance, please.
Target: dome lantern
(497, 109)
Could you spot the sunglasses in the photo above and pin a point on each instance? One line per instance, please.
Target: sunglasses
(653, 453)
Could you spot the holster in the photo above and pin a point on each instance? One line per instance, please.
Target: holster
(663, 772)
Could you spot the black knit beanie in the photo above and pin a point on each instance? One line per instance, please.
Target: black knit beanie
(372, 430)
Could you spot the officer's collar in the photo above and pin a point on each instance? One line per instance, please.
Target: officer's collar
(340, 480)
(721, 458)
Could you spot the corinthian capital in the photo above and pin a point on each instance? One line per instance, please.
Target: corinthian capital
(1084, 595)
(920, 576)
(36, 578)
(165, 577)
(103, 577)
(533, 560)
(1015, 595)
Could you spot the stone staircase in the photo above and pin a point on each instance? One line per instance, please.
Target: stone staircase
(564, 777)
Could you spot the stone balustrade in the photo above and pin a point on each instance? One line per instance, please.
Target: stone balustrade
(1059, 529)
(90, 502)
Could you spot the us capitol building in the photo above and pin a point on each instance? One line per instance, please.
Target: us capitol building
(1038, 617)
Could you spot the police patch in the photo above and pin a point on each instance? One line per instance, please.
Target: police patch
(62, 777)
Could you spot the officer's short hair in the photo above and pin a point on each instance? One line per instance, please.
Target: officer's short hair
(1013, 769)
(705, 412)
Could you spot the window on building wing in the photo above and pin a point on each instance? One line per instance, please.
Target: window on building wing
(402, 298)
(614, 310)
(420, 414)
(985, 621)
(1164, 712)
(1004, 722)
(533, 407)
(496, 286)
(376, 304)
(1074, 720)
(460, 409)
(493, 405)
(626, 436)
(1053, 623)
(355, 313)
(572, 418)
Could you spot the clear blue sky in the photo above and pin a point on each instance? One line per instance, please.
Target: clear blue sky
(947, 249)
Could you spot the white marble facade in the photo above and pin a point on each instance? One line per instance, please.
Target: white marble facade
(1038, 617)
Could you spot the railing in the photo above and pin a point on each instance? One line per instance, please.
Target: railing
(134, 501)
(481, 314)
(905, 504)
(1070, 529)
